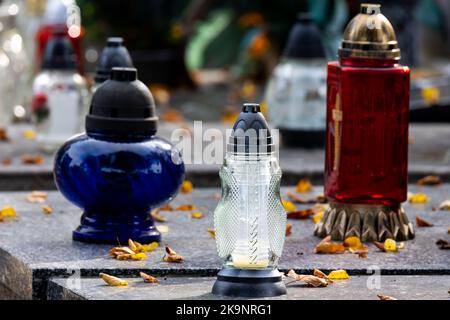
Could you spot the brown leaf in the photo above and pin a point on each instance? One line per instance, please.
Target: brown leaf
(32, 159)
(117, 251)
(6, 162)
(300, 214)
(322, 275)
(379, 245)
(113, 281)
(166, 207)
(420, 222)
(310, 280)
(47, 209)
(172, 256)
(320, 198)
(148, 278)
(384, 297)
(156, 216)
(3, 134)
(429, 181)
(212, 232)
(288, 229)
(185, 207)
(443, 244)
(329, 247)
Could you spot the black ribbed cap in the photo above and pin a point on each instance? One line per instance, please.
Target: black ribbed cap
(251, 134)
(304, 40)
(113, 55)
(59, 54)
(122, 105)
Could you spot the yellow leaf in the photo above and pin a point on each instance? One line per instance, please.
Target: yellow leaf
(288, 206)
(186, 186)
(304, 185)
(185, 207)
(148, 278)
(196, 215)
(29, 134)
(139, 256)
(338, 275)
(150, 247)
(113, 281)
(8, 212)
(318, 217)
(390, 245)
(419, 198)
(353, 243)
(47, 209)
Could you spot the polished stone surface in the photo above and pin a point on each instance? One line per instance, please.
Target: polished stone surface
(36, 247)
(190, 288)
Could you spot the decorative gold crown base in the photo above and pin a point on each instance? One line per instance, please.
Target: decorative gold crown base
(368, 222)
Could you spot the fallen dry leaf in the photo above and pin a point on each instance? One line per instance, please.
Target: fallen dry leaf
(420, 222)
(429, 181)
(418, 198)
(150, 247)
(353, 243)
(401, 245)
(288, 229)
(196, 215)
(7, 162)
(390, 245)
(338, 275)
(8, 212)
(320, 198)
(443, 244)
(113, 281)
(318, 217)
(445, 205)
(288, 206)
(172, 256)
(118, 251)
(296, 199)
(362, 255)
(384, 297)
(37, 197)
(212, 232)
(166, 207)
(326, 246)
(300, 214)
(3, 135)
(186, 186)
(185, 207)
(322, 275)
(32, 159)
(172, 115)
(379, 245)
(156, 216)
(148, 278)
(47, 209)
(132, 245)
(304, 185)
(310, 280)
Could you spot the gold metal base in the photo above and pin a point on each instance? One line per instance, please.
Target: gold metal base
(368, 222)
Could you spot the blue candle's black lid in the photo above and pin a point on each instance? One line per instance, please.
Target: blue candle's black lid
(122, 105)
(59, 54)
(304, 40)
(251, 133)
(113, 55)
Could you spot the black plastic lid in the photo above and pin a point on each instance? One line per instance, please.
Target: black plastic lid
(113, 55)
(304, 39)
(251, 133)
(122, 105)
(59, 54)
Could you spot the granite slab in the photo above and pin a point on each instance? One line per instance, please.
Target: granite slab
(199, 288)
(36, 247)
(429, 153)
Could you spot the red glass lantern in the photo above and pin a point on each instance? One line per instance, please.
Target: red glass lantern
(367, 134)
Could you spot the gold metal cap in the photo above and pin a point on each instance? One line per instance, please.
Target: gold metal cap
(369, 35)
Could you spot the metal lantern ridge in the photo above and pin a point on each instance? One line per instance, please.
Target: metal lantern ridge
(250, 220)
(367, 134)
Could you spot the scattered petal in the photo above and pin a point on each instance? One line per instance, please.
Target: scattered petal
(353, 243)
(419, 198)
(186, 186)
(338, 275)
(429, 181)
(445, 205)
(172, 256)
(304, 185)
(8, 212)
(390, 245)
(420, 222)
(150, 247)
(384, 297)
(132, 245)
(329, 247)
(3, 135)
(148, 278)
(318, 217)
(322, 275)
(37, 197)
(6, 162)
(29, 134)
(139, 256)
(113, 281)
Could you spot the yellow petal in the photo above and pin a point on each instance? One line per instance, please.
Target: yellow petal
(419, 198)
(390, 245)
(113, 281)
(288, 206)
(29, 134)
(150, 247)
(186, 187)
(196, 215)
(318, 217)
(8, 212)
(338, 275)
(139, 256)
(304, 185)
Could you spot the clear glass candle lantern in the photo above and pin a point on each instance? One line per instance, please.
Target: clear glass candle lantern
(250, 220)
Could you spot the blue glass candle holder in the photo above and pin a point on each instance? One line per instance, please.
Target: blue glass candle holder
(119, 170)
